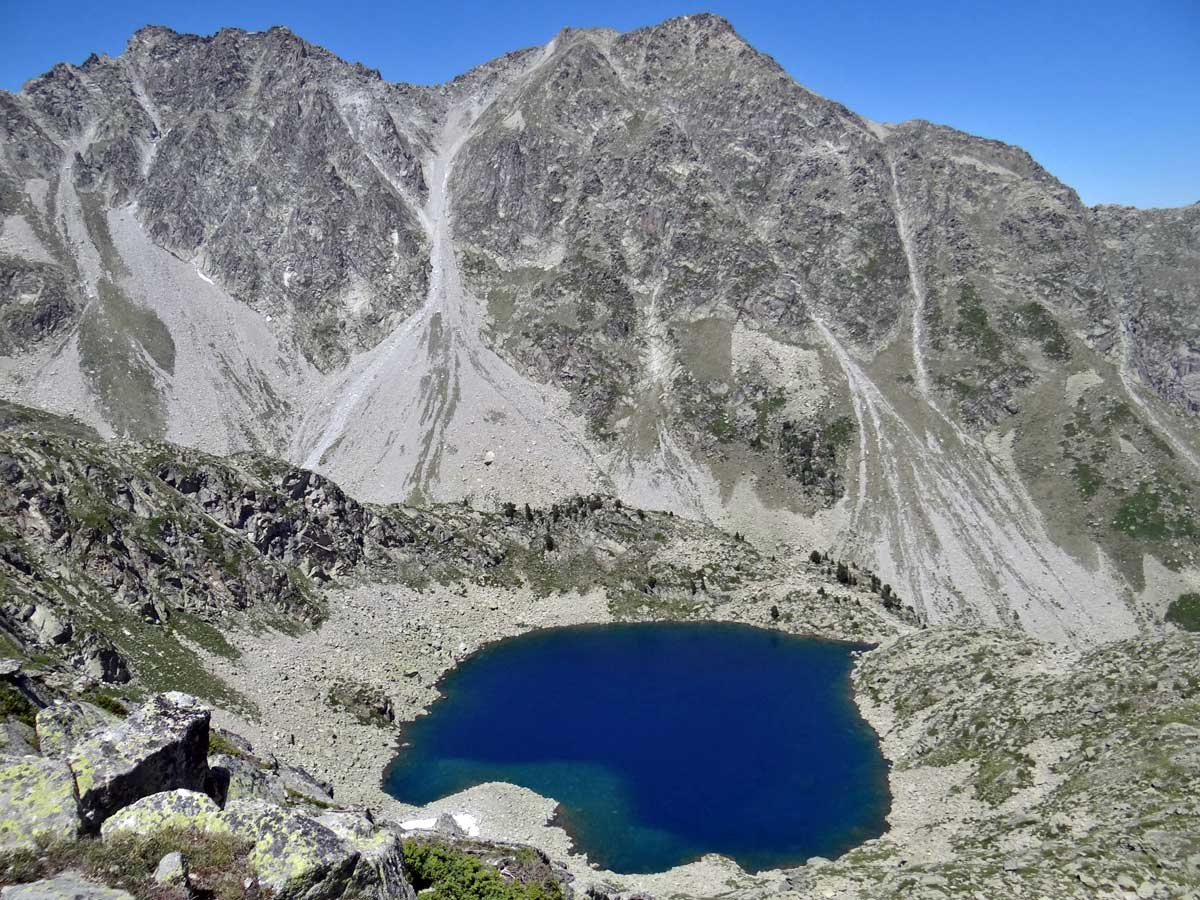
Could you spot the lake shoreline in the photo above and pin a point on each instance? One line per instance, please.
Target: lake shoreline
(431, 632)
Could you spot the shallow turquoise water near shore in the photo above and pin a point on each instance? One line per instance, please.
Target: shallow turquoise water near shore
(662, 742)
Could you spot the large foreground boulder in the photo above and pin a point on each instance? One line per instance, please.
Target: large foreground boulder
(294, 854)
(163, 812)
(380, 870)
(37, 802)
(64, 886)
(162, 746)
(62, 726)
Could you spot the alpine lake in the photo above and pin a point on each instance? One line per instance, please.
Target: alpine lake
(662, 742)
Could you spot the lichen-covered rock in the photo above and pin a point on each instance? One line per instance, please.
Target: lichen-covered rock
(300, 783)
(64, 886)
(165, 811)
(162, 746)
(172, 869)
(380, 869)
(17, 739)
(60, 727)
(37, 802)
(294, 855)
(235, 778)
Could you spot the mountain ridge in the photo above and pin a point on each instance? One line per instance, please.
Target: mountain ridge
(649, 263)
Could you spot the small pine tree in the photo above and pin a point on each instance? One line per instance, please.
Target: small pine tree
(549, 543)
(843, 574)
(774, 613)
(528, 513)
(815, 557)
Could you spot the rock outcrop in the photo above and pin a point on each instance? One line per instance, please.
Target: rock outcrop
(647, 263)
(61, 726)
(37, 802)
(163, 811)
(162, 746)
(145, 778)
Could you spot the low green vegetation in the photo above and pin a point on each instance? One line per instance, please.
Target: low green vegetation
(116, 340)
(1184, 611)
(1034, 321)
(105, 700)
(368, 704)
(1001, 774)
(14, 417)
(974, 328)
(218, 863)
(13, 704)
(1125, 490)
(1088, 478)
(441, 872)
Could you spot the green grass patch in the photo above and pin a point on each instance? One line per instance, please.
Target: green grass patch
(974, 328)
(1087, 478)
(440, 872)
(219, 863)
(115, 336)
(106, 701)
(1034, 321)
(1184, 611)
(14, 704)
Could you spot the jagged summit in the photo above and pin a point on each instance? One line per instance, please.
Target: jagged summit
(647, 263)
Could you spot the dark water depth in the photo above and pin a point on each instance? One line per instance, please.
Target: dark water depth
(662, 742)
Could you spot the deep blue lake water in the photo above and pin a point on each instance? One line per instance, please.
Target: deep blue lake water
(662, 742)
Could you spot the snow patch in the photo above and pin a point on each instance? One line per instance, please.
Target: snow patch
(418, 824)
(468, 823)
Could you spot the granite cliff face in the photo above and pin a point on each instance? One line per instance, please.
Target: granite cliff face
(650, 264)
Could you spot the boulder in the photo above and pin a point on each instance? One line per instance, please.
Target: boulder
(447, 824)
(60, 727)
(162, 746)
(380, 870)
(294, 855)
(37, 802)
(98, 658)
(237, 778)
(17, 739)
(298, 782)
(64, 886)
(171, 870)
(49, 627)
(164, 811)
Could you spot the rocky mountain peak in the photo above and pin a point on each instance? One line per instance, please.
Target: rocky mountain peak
(647, 262)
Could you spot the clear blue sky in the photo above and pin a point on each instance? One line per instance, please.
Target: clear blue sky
(1105, 94)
